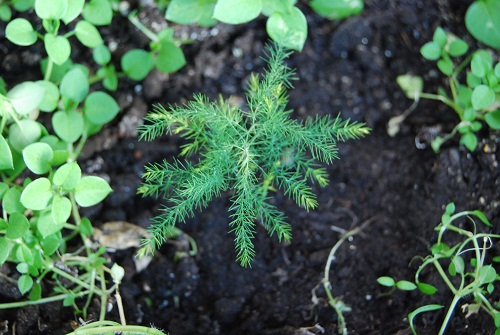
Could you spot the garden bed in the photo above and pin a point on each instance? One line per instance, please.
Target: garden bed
(397, 183)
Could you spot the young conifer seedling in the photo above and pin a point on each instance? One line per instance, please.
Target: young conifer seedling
(248, 151)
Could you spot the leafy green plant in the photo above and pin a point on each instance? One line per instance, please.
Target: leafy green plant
(251, 152)
(468, 273)
(286, 23)
(474, 96)
(41, 184)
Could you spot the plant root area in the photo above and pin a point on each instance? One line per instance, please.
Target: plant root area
(397, 183)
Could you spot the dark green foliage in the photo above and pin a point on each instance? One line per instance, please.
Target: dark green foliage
(249, 152)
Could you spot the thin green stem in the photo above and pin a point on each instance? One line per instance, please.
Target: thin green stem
(118, 329)
(449, 314)
(135, 21)
(48, 70)
(443, 275)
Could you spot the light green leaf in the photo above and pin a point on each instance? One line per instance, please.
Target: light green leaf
(74, 9)
(445, 65)
(6, 162)
(51, 96)
(237, 11)
(75, 85)
(38, 157)
(411, 85)
(5, 13)
(337, 9)
(58, 48)
(86, 227)
(190, 11)
(386, 281)
(101, 55)
(431, 51)
(100, 108)
(68, 125)
(23, 133)
(37, 195)
(405, 285)
(493, 119)
(18, 226)
(288, 28)
(458, 47)
(20, 31)
(11, 201)
(137, 63)
(47, 226)
(25, 283)
(98, 12)
(469, 140)
(50, 244)
(427, 288)
(91, 190)
(117, 273)
(88, 34)
(26, 97)
(51, 9)
(67, 176)
(440, 37)
(170, 58)
(482, 19)
(36, 292)
(482, 97)
(61, 209)
(4, 250)
(22, 5)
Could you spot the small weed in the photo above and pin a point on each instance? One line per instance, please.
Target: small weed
(468, 272)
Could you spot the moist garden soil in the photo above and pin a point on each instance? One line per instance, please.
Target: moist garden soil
(397, 183)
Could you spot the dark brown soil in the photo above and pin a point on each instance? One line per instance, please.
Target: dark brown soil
(398, 182)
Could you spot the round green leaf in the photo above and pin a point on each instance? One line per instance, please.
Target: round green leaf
(25, 283)
(11, 201)
(337, 9)
(5, 13)
(98, 12)
(189, 11)
(37, 195)
(445, 65)
(51, 96)
(36, 292)
(26, 97)
(51, 9)
(481, 63)
(6, 162)
(75, 85)
(85, 227)
(487, 274)
(68, 125)
(412, 86)
(101, 54)
(237, 11)
(23, 133)
(88, 34)
(137, 64)
(20, 31)
(493, 119)
(47, 226)
(170, 58)
(100, 108)
(67, 176)
(482, 97)
(23, 253)
(38, 157)
(469, 140)
(18, 226)
(50, 244)
(288, 28)
(482, 19)
(4, 250)
(58, 48)
(431, 51)
(74, 9)
(91, 190)
(61, 209)
(440, 37)
(458, 47)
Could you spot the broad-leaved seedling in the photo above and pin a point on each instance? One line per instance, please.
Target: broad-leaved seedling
(250, 151)
(468, 272)
(474, 96)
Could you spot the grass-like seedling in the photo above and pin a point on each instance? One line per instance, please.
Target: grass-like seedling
(250, 152)
(468, 274)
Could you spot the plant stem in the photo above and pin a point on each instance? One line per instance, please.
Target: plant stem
(449, 314)
(135, 21)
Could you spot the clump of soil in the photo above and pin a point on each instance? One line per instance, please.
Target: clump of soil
(398, 182)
